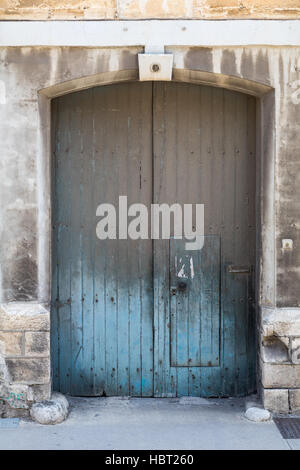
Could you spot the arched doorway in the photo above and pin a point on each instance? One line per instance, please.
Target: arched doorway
(118, 325)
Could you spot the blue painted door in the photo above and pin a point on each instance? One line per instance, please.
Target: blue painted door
(147, 317)
(102, 289)
(204, 152)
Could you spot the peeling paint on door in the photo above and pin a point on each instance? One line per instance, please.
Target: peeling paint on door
(143, 317)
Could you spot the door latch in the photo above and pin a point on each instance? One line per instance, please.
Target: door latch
(239, 269)
(181, 287)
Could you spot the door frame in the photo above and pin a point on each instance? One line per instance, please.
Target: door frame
(192, 72)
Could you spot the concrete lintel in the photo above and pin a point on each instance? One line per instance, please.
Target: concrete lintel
(141, 32)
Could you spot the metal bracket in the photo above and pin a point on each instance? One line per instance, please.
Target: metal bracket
(155, 64)
(154, 49)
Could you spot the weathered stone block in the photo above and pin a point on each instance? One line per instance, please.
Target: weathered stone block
(30, 371)
(157, 9)
(4, 375)
(51, 411)
(280, 376)
(15, 395)
(39, 392)
(49, 9)
(3, 371)
(206, 9)
(10, 343)
(9, 412)
(257, 414)
(133, 9)
(20, 396)
(275, 349)
(295, 350)
(37, 343)
(281, 322)
(276, 400)
(295, 399)
(24, 316)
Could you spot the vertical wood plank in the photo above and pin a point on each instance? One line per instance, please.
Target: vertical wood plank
(87, 230)
(164, 190)
(251, 237)
(74, 154)
(101, 150)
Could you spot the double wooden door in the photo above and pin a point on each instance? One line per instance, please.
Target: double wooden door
(147, 317)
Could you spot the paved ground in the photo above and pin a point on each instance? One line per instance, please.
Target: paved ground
(114, 423)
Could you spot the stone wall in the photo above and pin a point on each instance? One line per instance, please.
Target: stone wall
(280, 359)
(139, 9)
(24, 357)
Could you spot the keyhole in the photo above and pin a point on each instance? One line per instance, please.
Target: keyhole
(181, 286)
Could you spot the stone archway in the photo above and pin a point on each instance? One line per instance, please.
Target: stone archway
(190, 75)
(61, 70)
